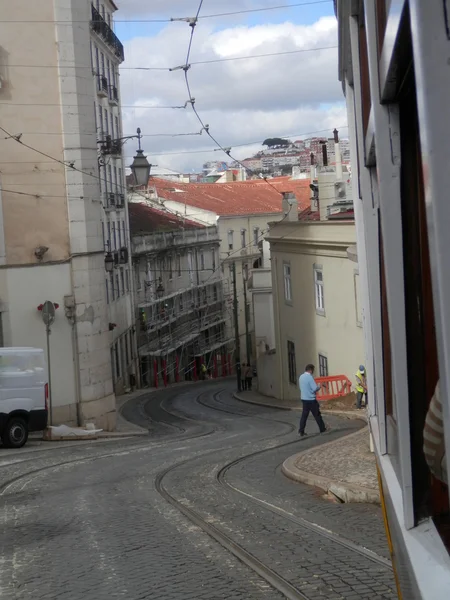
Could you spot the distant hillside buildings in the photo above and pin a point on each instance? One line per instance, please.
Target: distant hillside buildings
(277, 161)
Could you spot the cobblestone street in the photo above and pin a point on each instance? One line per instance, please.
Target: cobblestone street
(197, 510)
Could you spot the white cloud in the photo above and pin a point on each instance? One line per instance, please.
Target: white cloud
(241, 100)
(183, 8)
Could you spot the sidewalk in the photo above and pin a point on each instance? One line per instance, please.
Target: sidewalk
(345, 468)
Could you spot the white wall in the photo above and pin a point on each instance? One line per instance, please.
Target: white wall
(22, 291)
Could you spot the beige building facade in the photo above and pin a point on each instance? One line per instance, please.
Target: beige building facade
(316, 302)
(52, 200)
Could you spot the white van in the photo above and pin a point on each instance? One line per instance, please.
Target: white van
(23, 394)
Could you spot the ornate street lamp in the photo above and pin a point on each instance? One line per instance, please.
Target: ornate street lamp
(140, 166)
(109, 262)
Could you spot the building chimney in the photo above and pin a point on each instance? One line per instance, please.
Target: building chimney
(324, 154)
(337, 152)
(312, 169)
(290, 206)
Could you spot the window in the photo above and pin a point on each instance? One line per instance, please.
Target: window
(202, 261)
(115, 178)
(179, 265)
(100, 121)
(127, 279)
(120, 234)
(181, 302)
(107, 292)
(255, 236)
(287, 282)
(117, 285)
(215, 295)
(318, 287)
(116, 118)
(291, 363)
(214, 259)
(114, 236)
(122, 280)
(323, 366)
(243, 242)
(105, 115)
(108, 241)
(111, 285)
(190, 265)
(110, 177)
(169, 260)
(245, 271)
(230, 239)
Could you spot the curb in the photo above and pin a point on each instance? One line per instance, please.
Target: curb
(342, 491)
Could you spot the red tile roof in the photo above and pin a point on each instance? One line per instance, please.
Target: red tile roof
(147, 219)
(236, 198)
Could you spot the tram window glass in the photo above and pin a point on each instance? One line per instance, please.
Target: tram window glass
(430, 496)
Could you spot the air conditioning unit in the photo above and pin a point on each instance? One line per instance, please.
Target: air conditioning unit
(111, 199)
(120, 200)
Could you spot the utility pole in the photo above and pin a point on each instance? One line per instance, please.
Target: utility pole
(247, 334)
(236, 330)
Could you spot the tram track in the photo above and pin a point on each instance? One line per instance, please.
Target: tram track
(263, 570)
(317, 529)
(137, 447)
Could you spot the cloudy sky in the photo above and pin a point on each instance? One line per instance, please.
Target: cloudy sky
(243, 101)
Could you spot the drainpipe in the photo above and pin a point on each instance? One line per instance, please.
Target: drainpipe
(276, 311)
(71, 309)
(337, 151)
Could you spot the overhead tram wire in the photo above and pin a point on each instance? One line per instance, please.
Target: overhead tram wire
(186, 67)
(199, 62)
(70, 165)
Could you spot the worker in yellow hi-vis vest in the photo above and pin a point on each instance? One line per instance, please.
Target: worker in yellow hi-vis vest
(361, 387)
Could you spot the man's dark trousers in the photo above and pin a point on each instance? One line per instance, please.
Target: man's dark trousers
(313, 407)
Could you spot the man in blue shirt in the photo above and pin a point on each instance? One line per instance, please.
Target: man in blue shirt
(308, 391)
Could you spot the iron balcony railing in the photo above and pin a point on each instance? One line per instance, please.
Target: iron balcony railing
(101, 27)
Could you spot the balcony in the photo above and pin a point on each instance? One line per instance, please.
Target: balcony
(112, 147)
(113, 95)
(101, 28)
(102, 86)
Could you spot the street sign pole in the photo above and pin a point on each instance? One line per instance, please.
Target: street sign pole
(48, 316)
(50, 405)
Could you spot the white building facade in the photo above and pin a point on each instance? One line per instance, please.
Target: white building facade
(182, 310)
(53, 199)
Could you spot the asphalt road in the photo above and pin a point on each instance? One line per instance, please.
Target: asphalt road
(197, 510)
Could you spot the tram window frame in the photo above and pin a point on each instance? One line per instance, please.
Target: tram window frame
(423, 370)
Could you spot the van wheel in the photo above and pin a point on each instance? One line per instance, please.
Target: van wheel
(15, 434)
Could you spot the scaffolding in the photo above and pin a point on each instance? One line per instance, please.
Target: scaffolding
(185, 344)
